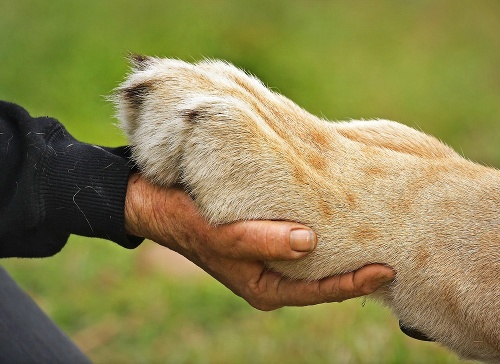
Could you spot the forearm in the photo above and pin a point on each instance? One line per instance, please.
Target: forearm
(54, 186)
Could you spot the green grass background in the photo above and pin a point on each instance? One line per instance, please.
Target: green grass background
(433, 65)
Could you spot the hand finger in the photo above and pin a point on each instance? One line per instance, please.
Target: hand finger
(266, 240)
(273, 291)
(369, 278)
(361, 282)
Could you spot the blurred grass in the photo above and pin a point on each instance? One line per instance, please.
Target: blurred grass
(432, 65)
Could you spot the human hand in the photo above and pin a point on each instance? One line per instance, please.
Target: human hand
(234, 253)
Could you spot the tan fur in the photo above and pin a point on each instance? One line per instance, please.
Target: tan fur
(374, 191)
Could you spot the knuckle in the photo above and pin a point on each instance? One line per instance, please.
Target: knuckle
(258, 301)
(251, 293)
(327, 294)
(336, 289)
(261, 295)
(261, 306)
(275, 240)
(269, 242)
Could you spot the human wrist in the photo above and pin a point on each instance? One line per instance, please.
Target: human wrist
(131, 214)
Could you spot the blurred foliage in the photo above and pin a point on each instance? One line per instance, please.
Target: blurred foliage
(433, 65)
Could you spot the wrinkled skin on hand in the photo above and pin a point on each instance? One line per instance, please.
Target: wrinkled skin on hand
(234, 253)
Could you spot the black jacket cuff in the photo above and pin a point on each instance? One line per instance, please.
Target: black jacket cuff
(83, 188)
(53, 185)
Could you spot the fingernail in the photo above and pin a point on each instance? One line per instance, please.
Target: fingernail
(303, 240)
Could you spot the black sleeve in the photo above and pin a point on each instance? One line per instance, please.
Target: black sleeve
(52, 186)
